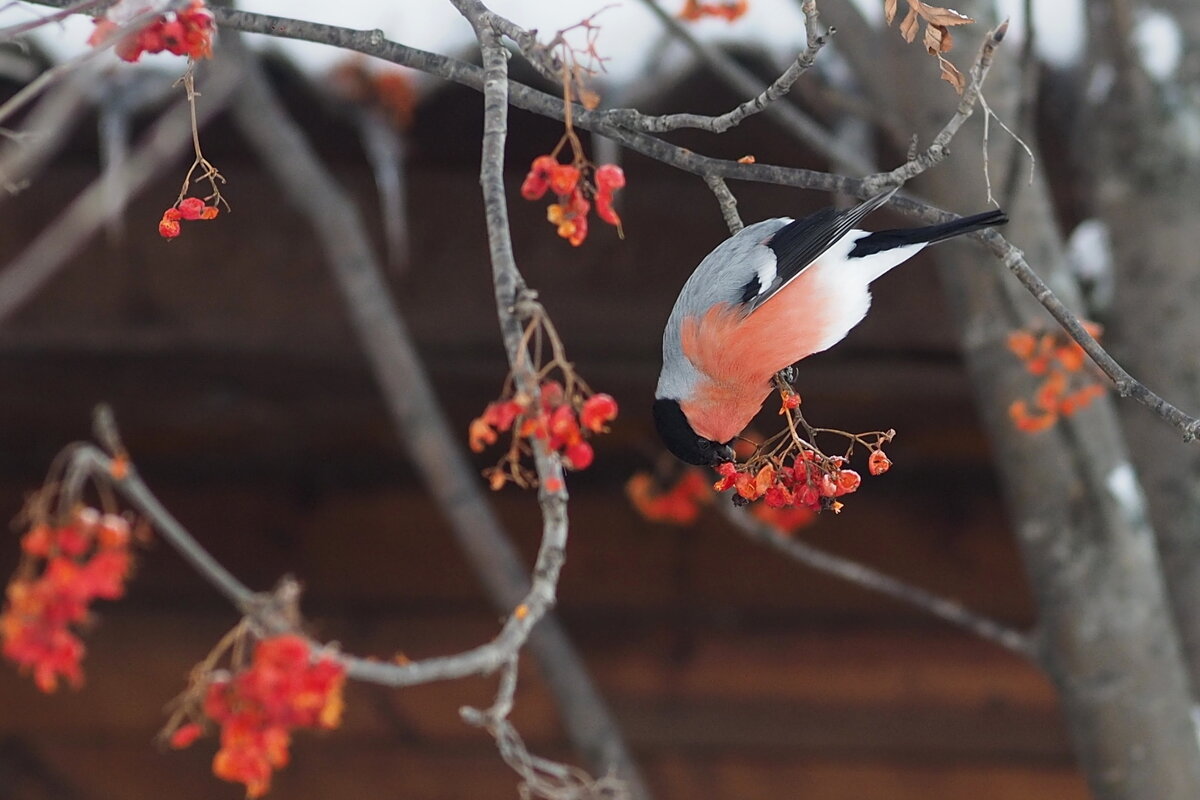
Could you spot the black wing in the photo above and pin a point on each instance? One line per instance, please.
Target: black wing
(799, 243)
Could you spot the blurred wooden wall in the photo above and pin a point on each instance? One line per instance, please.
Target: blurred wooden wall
(243, 398)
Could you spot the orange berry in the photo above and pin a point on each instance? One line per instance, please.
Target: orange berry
(878, 463)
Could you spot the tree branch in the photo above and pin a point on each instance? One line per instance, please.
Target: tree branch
(941, 607)
(740, 80)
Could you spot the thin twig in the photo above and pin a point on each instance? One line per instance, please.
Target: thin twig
(942, 608)
(635, 120)
(939, 148)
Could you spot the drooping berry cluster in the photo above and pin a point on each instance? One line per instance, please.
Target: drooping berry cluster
(730, 10)
(188, 32)
(64, 567)
(1069, 380)
(570, 214)
(810, 481)
(284, 688)
(562, 420)
(190, 208)
(789, 471)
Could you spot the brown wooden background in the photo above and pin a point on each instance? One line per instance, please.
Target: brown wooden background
(243, 398)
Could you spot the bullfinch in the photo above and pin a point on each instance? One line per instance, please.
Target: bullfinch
(774, 293)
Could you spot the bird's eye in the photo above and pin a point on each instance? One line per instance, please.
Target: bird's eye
(704, 444)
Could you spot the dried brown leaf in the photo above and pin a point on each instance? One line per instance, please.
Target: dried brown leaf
(938, 39)
(889, 11)
(951, 75)
(936, 15)
(908, 28)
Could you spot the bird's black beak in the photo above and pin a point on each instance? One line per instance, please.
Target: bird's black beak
(723, 453)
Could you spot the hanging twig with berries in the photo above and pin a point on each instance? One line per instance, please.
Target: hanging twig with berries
(567, 414)
(790, 470)
(579, 179)
(194, 208)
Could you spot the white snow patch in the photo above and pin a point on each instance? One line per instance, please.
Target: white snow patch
(1090, 256)
(1159, 43)
(1090, 250)
(1123, 486)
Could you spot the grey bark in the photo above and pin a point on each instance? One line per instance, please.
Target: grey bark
(1142, 156)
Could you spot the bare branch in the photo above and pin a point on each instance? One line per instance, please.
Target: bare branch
(46, 130)
(744, 82)
(736, 77)
(943, 608)
(939, 148)
(81, 7)
(727, 202)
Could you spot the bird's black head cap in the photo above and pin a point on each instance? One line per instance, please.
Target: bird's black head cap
(679, 437)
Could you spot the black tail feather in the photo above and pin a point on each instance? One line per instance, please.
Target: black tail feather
(881, 241)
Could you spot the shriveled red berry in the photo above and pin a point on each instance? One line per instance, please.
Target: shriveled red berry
(191, 207)
(847, 481)
(609, 177)
(878, 463)
(598, 410)
(168, 228)
(579, 455)
(564, 178)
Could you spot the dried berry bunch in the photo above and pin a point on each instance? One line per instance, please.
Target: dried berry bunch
(187, 32)
(258, 703)
(571, 184)
(577, 182)
(1070, 381)
(790, 471)
(729, 10)
(66, 564)
(564, 415)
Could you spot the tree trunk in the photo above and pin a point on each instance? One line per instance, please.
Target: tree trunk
(1142, 160)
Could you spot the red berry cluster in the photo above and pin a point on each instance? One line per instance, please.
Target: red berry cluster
(678, 504)
(188, 32)
(562, 420)
(190, 208)
(1068, 383)
(281, 690)
(729, 10)
(63, 569)
(812, 481)
(569, 214)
